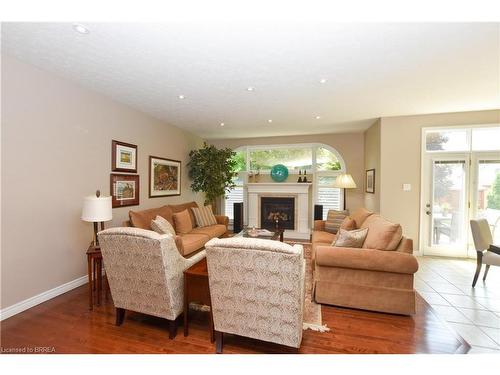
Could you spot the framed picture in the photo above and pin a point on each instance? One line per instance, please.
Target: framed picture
(123, 157)
(164, 177)
(124, 190)
(370, 181)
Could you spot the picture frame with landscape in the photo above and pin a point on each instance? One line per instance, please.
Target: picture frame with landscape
(123, 157)
(164, 177)
(124, 190)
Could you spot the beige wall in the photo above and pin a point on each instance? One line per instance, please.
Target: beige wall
(372, 161)
(349, 145)
(400, 162)
(56, 149)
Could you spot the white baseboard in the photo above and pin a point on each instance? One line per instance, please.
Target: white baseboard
(42, 297)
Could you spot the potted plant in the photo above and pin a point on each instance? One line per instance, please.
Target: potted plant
(212, 171)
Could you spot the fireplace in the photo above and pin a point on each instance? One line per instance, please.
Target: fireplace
(277, 208)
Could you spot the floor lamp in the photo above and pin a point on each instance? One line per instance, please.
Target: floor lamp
(344, 181)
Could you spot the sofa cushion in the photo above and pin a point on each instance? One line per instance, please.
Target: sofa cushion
(185, 206)
(366, 259)
(382, 234)
(183, 223)
(142, 219)
(212, 231)
(348, 224)
(334, 219)
(350, 238)
(323, 237)
(162, 226)
(360, 215)
(204, 216)
(192, 242)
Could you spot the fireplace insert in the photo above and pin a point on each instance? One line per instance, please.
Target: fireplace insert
(277, 212)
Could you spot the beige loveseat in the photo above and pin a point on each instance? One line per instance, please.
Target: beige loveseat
(378, 276)
(187, 243)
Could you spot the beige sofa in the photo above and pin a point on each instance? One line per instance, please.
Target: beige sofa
(187, 243)
(377, 277)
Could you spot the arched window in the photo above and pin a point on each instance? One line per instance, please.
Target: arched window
(321, 161)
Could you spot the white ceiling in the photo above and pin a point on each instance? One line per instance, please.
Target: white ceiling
(372, 70)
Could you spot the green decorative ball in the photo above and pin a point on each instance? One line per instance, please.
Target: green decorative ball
(279, 173)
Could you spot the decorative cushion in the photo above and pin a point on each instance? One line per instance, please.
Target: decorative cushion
(350, 238)
(162, 226)
(204, 216)
(360, 215)
(142, 219)
(383, 235)
(183, 222)
(348, 224)
(334, 219)
(184, 206)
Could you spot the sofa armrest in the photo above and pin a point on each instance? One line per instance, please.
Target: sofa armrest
(319, 225)
(366, 259)
(224, 220)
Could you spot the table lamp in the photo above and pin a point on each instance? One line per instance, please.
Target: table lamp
(344, 181)
(97, 209)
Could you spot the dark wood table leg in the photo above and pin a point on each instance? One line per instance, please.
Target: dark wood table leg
(281, 235)
(99, 280)
(186, 306)
(89, 270)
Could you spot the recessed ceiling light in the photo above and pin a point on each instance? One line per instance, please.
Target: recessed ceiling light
(318, 117)
(269, 121)
(250, 88)
(322, 80)
(222, 124)
(80, 29)
(182, 97)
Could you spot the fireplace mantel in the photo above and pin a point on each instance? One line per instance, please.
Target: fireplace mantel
(300, 191)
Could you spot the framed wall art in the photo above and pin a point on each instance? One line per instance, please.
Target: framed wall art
(124, 190)
(164, 177)
(123, 157)
(370, 181)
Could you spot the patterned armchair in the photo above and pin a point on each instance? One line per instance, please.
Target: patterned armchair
(145, 273)
(256, 289)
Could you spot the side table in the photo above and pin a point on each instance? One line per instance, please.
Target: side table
(196, 289)
(94, 268)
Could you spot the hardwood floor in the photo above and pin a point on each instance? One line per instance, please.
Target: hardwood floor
(66, 324)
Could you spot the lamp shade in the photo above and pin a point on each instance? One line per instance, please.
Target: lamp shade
(344, 181)
(97, 209)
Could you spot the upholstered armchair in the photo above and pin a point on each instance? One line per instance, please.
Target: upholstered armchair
(145, 273)
(256, 289)
(483, 242)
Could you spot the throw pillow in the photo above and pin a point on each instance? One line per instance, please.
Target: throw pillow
(350, 238)
(348, 224)
(162, 226)
(204, 216)
(334, 219)
(182, 222)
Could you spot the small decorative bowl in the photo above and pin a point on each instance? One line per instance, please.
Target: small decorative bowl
(253, 233)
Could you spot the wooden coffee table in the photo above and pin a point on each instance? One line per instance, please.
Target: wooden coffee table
(275, 234)
(196, 289)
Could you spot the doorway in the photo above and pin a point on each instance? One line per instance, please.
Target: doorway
(460, 181)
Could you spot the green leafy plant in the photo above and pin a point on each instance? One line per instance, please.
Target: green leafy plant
(212, 171)
(494, 195)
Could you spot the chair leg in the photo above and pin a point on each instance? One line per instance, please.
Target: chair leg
(486, 272)
(219, 342)
(172, 329)
(120, 316)
(478, 268)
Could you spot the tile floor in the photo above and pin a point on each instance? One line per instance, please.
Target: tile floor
(446, 284)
